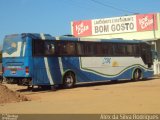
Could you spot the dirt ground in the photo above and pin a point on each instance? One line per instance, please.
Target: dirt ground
(8, 96)
(121, 97)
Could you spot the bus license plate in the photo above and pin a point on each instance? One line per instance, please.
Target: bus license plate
(13, 71)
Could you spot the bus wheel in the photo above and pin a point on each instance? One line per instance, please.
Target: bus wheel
(69, 80)
(137, 75)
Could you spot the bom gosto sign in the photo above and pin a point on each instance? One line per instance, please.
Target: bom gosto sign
(133, 23)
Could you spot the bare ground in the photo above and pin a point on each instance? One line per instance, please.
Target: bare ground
(8, 96)
(121, 97)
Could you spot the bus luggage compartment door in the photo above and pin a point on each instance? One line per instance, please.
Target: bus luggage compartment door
(39, 70)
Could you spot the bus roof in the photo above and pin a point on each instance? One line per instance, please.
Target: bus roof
(122, 41)
(32, 35)
(67, 38)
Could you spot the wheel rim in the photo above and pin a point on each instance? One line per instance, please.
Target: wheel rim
(69, 80)
(137, 74)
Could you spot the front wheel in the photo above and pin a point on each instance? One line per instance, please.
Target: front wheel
(137, 75)
(69, 80)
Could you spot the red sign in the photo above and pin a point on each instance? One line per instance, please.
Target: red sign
(82, 28)
(146, 22)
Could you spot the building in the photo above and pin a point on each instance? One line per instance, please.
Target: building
(140, 26)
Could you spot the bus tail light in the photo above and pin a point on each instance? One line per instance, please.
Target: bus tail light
(27, 70)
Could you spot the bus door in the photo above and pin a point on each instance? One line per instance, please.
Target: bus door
(146, 54)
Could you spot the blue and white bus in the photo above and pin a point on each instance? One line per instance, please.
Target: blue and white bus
(42, 60)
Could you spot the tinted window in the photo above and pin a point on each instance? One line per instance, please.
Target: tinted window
(80, 49)
(89, 49)
(49, 48)
(83, 48)
(66, 48)
(38, 47)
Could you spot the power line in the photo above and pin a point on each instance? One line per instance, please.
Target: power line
(81, 5)
(110, 6)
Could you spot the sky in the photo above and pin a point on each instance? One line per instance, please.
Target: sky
(54, 16)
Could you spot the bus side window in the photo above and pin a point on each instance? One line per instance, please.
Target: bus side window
(66, 48)
(89, 49)
(80, 49)
(107, 49)
(129, 50)
(136, 50)
(49, 48)
(52, 48)
(99, 49)
(61, 46)
(119, 50)
(38, 48)
(70, 48)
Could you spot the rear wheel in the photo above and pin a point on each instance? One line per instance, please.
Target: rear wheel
(69, 80)
(137, 75)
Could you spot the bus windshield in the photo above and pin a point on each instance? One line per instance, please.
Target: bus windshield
(13, 46)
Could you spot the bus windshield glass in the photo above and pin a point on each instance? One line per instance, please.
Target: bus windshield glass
(13, 46)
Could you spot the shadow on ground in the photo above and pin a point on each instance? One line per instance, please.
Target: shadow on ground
(114, 82)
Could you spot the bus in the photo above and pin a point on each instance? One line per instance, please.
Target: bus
(43, 60)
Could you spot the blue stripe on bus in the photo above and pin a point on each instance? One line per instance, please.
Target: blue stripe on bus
(55, 69)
